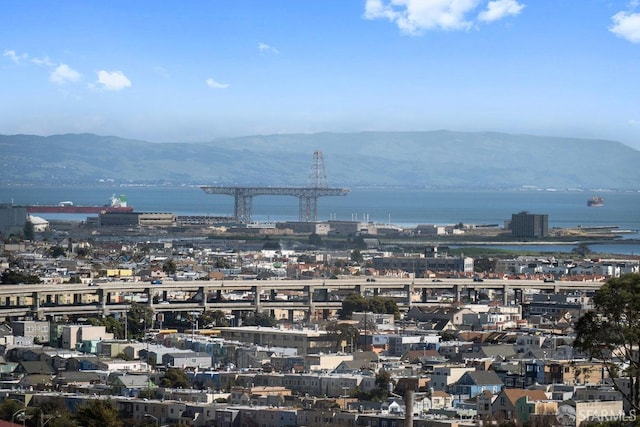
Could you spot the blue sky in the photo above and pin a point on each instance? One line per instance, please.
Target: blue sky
(199, 70)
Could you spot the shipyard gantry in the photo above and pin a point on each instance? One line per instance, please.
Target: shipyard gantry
(308, 196)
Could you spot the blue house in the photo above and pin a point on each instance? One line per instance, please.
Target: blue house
(474, 383)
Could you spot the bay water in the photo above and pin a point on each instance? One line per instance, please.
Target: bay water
(398, 206)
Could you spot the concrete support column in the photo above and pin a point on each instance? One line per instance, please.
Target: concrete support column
(35, 297)
(425, 295)
(101, 299)
(505, 294)
(149, 293)
(457, 290)
(36, 300)
(256, 300)
(518, 295)
(203, 302)
(310, 290)
(408, 289)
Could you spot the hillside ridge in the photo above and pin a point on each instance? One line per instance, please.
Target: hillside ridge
(432, 159)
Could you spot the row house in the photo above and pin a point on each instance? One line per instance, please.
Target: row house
(329, 385)
(474, 383)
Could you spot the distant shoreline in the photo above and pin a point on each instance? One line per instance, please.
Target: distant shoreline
(123, 186)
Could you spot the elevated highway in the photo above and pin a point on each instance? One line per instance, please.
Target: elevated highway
(308, 296)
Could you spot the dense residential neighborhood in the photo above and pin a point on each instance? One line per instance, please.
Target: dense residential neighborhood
(437, 357)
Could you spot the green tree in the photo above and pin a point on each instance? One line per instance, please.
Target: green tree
(139, 317)
(383, 379)
(306, 259)
(355, 303)
(343, 335)
(352, 303)
(8, 407)
(169, 266)
(222, 262)
(98, 413)
(111, 324)
(57, 252)
(356, 256)
(259, 319)
(54, 413)
(611, 333)
(28, 231)
(271, 245)
(358, 242)
(174, 378)
(448, 336)
(484, 265)
(82, 252)
(11, 277)
(209, 319)
(315, 239)
(582, 249)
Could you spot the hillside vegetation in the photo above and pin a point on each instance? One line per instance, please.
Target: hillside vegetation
(438, 159)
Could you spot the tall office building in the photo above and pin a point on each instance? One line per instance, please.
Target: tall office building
(524, 224)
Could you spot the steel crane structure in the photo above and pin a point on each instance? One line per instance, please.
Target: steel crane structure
(317, 187)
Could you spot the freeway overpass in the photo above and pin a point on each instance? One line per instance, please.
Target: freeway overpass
(307, 296)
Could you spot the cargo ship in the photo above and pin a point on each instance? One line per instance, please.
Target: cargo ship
(117, 204)
(595, 202)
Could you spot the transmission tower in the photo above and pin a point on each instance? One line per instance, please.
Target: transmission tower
(317, 174)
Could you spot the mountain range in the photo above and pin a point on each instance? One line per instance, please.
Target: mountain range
(432, 159)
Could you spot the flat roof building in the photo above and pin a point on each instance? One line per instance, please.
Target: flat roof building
(524, 224)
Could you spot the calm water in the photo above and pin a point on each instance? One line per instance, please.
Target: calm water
(405, 207)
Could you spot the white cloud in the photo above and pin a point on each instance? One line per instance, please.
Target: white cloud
(215, 85)
(11, 54)
(263, 47)
(498, 9)
(414, 17)
(63, 74)
(113, 80)
(627, 26)
(43, 62)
